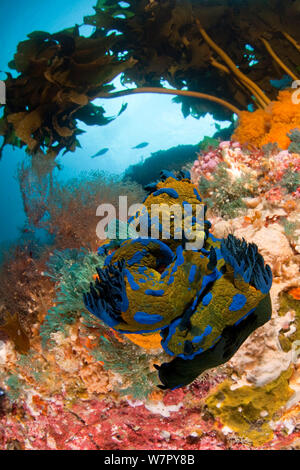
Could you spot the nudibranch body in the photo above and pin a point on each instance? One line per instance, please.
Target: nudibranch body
(204, 302)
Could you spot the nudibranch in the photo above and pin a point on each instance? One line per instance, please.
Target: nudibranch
(203, 302)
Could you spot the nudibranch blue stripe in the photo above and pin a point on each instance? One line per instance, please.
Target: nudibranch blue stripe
(102, 250)
(165, 174)
(197, 195)
(155, 293)
(172, 329)
(213, 238)
(142, 269)
(130, 278)
(207, 299)
(137, 257)
(169, 191)
(148, 330)
(164, 274)
(238, 302)
(188, 204)
(179, 254)
(178, 262)
(146, 319)
(108, 259)
(192, 274)
(207, 331)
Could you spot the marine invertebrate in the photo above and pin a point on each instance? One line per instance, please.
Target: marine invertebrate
(149, 285)
(249, 410)
(228, 175)
(270, 125)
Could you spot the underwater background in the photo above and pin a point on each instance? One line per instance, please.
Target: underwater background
(143, 344)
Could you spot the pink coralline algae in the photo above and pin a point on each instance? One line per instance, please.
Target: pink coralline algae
(177, 421)
(270, 164)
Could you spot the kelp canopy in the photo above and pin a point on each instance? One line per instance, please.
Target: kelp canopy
(224, 51)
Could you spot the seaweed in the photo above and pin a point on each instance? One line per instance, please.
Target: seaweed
(71, 271)
(223, 194)
(14, 387)
(290, 180)
(13, 328)
(295, 141)
(111, 353)
(61, 74)
(67, 211)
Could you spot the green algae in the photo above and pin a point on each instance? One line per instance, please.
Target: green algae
(71, 270)
(14, 387)
(290, 181)
(249, 410)
(228, 201)
(111, 353)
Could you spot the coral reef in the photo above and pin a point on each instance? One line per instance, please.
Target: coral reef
(204, 322)
(76, 363)
(230, 175)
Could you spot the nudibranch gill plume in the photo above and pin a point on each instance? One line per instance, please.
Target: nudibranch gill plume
(203, 302)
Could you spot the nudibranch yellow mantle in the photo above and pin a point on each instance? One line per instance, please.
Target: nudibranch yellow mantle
(204, 302)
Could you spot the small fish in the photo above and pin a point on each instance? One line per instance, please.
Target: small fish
(283, 83)
(123, 108)
(101, 152)
(141, 145)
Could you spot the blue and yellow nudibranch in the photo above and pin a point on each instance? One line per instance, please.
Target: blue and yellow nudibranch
(204, 302)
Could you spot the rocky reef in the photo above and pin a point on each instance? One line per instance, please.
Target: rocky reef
(80, 384)
(146, 344)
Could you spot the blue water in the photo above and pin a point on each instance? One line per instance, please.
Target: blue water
(148, 118)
